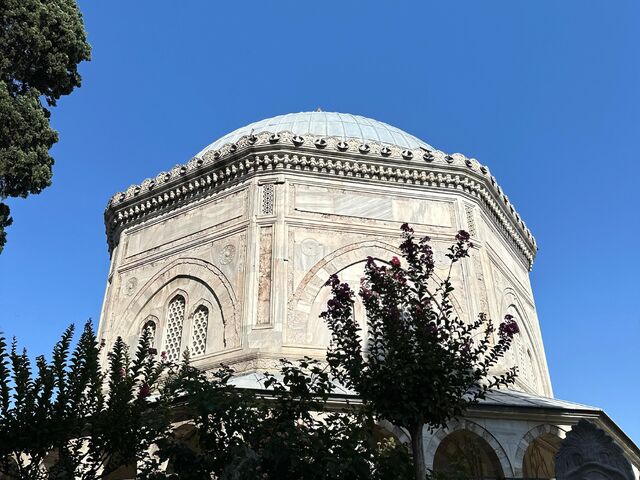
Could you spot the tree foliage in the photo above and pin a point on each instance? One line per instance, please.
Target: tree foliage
(41, 44)
(69, 419)
(60, 421)
(287, 431)
(142, 416)
(422, 365)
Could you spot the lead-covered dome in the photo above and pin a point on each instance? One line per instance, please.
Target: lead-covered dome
(325, 124)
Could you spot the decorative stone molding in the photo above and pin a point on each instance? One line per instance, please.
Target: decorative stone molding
(200, 271)
(589, 453)
(265, 261)
(529, 438)
(266, 152)
(306, 292)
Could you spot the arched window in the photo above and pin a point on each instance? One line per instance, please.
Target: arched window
(199, 336)
(150, 325)
(467, 455)
(175, 319)
(540, 457)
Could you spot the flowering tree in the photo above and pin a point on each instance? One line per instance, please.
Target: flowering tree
(422, 365)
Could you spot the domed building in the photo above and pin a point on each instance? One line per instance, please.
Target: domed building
(227, 255)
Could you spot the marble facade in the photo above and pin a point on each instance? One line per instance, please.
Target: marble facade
(228, 254)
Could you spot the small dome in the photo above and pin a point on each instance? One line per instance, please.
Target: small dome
(326, 124)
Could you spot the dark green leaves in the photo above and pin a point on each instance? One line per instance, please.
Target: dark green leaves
(41, 45)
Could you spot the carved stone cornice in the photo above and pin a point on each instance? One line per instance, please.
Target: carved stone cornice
(266, 152)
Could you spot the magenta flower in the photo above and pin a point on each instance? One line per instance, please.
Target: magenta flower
(123, 372)
(145, 391)
(462, 236)
(509, 327)
(153, 351)
(406, 228)
(395, 262)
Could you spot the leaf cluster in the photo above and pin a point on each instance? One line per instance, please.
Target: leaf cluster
(59, 421)
(287, 430)
(41, 44)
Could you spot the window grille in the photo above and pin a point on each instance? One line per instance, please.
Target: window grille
(175, 319)
(199, 337)
(268, 198)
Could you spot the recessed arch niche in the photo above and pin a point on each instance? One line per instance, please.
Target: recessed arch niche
(443, 448)
(304, 326)
(535, 455)
(199, 283)
(525, 352)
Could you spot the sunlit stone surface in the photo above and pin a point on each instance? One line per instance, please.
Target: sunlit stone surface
(247, 232)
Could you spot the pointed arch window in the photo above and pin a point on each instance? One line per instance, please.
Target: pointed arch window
(150, 325)
(200, 324)
(175, 319)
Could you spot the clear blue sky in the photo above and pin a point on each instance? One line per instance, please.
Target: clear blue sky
(545, 93)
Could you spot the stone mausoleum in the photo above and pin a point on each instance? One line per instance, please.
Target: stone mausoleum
(227, 255)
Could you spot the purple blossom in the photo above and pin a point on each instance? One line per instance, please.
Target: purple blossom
(145, 391)
(462, 236)
(395, 262)
(406, 228)
(333, 281)
(153, 351)
(366, 293)
(509, 327)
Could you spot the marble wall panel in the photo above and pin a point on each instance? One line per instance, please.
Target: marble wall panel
(264, 276)
(195, 220)
(348, 203)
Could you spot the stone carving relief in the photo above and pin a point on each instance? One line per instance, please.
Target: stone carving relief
(130, 286)
(226, 254)
(588, 453)
(310, 246)
(264, 276)
(483, 297)
(471, 221)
